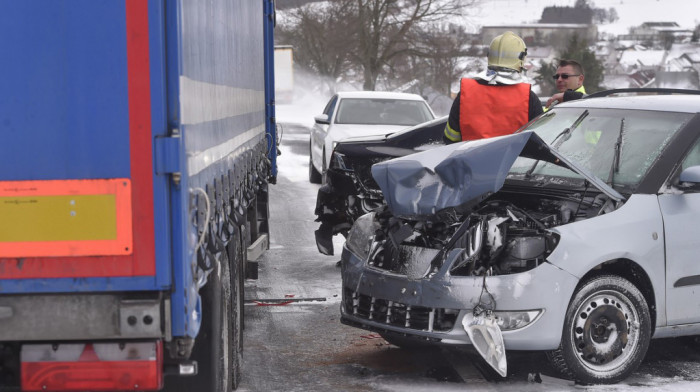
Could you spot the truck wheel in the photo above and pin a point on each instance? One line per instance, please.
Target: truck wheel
(263, 212)
(238, 249)
(606, 332)
(216, 348)
(314, 175)
(237, 281)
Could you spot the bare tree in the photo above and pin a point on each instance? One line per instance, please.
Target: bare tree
(322, 38)
(435, 58)
(370, 39)
(385, 26)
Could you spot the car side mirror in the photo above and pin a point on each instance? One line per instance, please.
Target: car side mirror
(322, 119)
(690, 178)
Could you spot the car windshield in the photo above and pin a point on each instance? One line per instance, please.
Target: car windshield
(382, 111)
(617, 146)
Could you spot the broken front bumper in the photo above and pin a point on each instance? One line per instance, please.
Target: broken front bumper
(433, 308)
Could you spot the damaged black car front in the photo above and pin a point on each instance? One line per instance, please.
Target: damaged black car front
(349, 191)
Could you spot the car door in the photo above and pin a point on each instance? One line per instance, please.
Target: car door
(681, 213)
(319, 131)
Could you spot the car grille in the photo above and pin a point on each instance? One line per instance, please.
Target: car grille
(398, 314)
(388, 259)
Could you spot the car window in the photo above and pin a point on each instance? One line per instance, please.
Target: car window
(382, 111)
(693, 157)
(330, 106)
(589, 137)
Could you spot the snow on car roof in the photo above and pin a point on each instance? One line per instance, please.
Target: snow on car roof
(380, 95)
(662, 103)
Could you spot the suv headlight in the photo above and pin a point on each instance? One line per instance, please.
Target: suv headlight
(361, 235)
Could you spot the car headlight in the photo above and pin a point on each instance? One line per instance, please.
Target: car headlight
(361, 235)
(511, 320)
(338, 161)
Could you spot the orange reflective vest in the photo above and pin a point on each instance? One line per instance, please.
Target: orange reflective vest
(488, 111)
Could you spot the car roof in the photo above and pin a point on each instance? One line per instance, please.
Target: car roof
(379, 95)
(663, 103)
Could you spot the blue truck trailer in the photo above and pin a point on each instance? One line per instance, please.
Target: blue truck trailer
(137, 144)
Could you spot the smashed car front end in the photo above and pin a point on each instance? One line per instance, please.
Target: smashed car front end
(454, 248)
(426, 293)
(350, 191)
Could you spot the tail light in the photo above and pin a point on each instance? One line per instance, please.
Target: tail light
(92, 367)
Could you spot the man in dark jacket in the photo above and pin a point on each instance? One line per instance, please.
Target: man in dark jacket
(498, 101)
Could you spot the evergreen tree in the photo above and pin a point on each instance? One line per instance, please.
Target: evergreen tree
(544, 79)
(577, 49)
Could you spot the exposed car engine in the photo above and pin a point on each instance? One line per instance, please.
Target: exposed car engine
(507, 233)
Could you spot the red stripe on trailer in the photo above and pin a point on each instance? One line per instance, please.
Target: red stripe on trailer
(140, 135)
(142, 261)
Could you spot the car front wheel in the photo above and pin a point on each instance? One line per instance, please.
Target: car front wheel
(314, 176)
(606, 332)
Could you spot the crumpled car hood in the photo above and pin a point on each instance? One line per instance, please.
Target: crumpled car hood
(458, 174)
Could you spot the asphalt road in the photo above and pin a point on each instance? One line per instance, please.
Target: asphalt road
(294, 341)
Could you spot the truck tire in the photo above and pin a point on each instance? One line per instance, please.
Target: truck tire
(237, 282)
(263, 212)
(238, 251)
(217, 347)
(606, 332)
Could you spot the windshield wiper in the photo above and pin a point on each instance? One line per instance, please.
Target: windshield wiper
(564, 135)
(615, 167)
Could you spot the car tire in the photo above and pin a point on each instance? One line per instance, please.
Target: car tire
(314, 176)
(324, 173)
(606, 332)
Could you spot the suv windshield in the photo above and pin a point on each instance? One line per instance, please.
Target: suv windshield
(591, 137)
(382, 111)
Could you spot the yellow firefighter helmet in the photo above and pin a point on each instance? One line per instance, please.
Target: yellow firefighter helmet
(507, 51)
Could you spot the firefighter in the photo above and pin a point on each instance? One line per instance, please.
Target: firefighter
(498, 101)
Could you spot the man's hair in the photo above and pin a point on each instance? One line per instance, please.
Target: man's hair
(577, 67)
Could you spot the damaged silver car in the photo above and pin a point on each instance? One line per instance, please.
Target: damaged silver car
(574, 236)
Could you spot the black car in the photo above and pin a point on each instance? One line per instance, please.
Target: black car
(350, 191)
